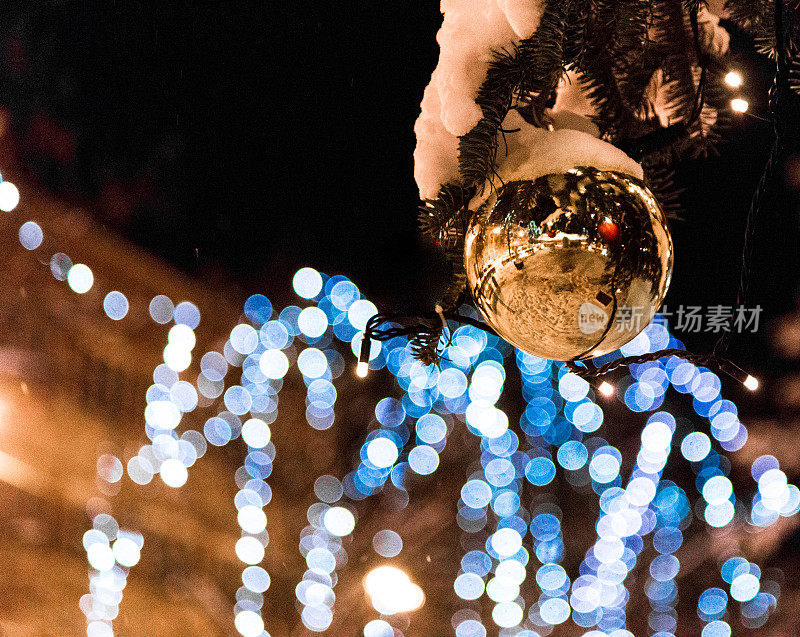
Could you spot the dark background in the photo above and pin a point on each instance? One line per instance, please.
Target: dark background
(242, 143)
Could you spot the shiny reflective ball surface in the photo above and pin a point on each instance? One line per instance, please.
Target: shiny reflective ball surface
(569, 265)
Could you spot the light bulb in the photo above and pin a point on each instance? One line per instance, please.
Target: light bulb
(733, 79)
(362, 369)
(607, 389)
(751, 382)
(739, 105)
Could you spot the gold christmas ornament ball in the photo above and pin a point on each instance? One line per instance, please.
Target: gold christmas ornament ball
(570, 265)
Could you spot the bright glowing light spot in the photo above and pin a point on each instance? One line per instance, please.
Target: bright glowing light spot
(499, 590)
(173, 472)
(382, 452)
(476, 494)
(387, 543)
(423, 460)
(100, 556)
(739, 105)
(470, 627)
(468, 586)
(187, 313)
(307, 282)
(249, 623)
(252, 519)
(244, 338)
(511, 570)
(256, 433)
(551, 576)
(9, 196)
(80, 277)
(719, 515)
(695, 446)
(431, 428)
(238, 400)
(162, 414)
(312, 322)
(30, 235)
(745, 587)
(490, 421)
(378, 628)
(391, 591)
(507, 614)
(161, 309)
(60, 265)
(183, 336)
(717, 489)
(716, 629)
(177, 358)
(572, 455)
(604, 467)
(362, 369)
(317, 618)
(360, 312)
(772, 483)
(116, 305)
(249, 550)
(255, 579)
(554, 610)
(733, 79)
(99, 628)
(328, 489)
(339, 521)
(606, 388)
(751, 382)
(573, 387)
(109, 468)
(656, 436)
(274, 364)
(712, 601)
(126, 552)
(506, 542)
(312, 363)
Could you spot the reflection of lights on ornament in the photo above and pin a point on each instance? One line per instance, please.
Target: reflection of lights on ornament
(751, 382)
(497, 230)
(606, 388)
(392, 591)
(9, 196)
(513, 280)
(739, 105)
(608, 230)
(733, 79)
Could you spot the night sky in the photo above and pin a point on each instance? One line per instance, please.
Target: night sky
(243, 142)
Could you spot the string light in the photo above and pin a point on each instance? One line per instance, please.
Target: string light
(431, 391)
